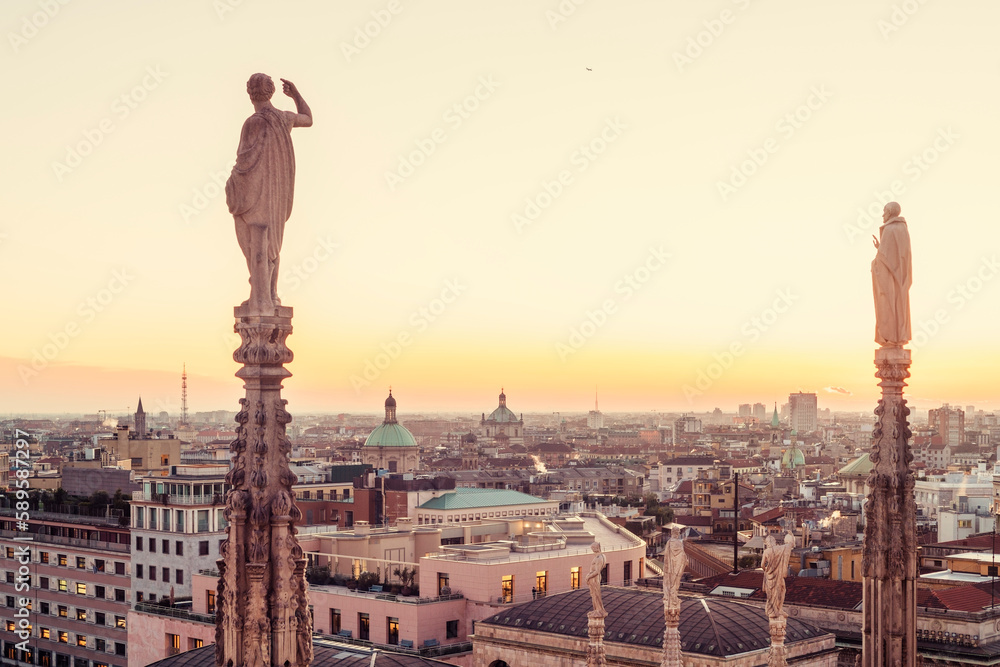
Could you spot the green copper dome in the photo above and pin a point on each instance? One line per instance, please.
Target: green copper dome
(390, 433)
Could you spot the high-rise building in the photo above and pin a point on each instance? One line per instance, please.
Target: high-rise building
(802, 412)
(177, 527)
(949, 422)
(78, 588)
(759, 412)
(595, 419)
(745, 410)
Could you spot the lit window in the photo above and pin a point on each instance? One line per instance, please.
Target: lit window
(63, 637)
(81, 640)
(81, 588)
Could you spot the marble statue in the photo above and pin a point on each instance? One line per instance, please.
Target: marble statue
(775, 565)
(675, 561)
(892, 275)
(594, 577)
(259, 190)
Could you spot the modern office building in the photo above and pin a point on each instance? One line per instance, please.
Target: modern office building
(177, 529)
(77, 589)
(802, 409)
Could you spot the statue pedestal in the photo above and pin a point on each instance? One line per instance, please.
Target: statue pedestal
(595, 632)
(889, 558)
(776, 656)
(263, 612)
(671, 636)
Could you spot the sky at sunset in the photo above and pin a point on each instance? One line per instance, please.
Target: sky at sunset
(669, 202)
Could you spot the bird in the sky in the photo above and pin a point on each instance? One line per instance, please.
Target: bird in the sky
(589, 70)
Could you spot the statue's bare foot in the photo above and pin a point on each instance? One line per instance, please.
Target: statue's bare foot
(275, 300)
(245, 303)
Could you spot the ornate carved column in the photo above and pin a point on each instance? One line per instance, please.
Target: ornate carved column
(889, 560)
(776, 655)
(263, 613)
(595, 632)
(671, 636)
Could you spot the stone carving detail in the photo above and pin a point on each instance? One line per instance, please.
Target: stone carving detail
(889, 564)
(263, 615)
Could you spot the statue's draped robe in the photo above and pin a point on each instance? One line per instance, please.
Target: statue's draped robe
(675, 562)
(892, 274)
(775, 565)
(260, 189)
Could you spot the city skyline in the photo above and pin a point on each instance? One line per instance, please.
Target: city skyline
(665, 203)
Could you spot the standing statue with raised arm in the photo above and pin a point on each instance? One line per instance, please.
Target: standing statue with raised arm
(892, 275)
(260, 189)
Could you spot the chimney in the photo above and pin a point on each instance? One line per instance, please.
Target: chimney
(362, 528)
(404, 524)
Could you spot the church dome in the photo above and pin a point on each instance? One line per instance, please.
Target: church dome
(502, 414)
(390, 433)
(793, 458)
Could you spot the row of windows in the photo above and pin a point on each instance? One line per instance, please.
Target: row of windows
(150, 545)
(46, 658)
(164, 546)
(80, 562)
(160, 519)
(164, 573)
(476, 516)
(74, 587)
(62, 611)
(64, 637)
(174, 643)
(391, 627)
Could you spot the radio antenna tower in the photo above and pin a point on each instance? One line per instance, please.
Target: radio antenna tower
(184, 396)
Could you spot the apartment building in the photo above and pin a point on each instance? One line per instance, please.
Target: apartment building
(78, 589)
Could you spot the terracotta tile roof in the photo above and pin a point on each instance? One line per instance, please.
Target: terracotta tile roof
(971, 597)
(742, 579)
(693, 520)
(815, 591)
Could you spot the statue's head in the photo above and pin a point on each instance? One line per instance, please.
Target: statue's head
(891, 210)
(769, 541)
(260, 87)
(595, 547)
(675, 531)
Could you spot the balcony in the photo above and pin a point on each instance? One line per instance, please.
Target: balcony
(175, 499)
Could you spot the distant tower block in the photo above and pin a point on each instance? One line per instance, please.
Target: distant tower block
(184, 396)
